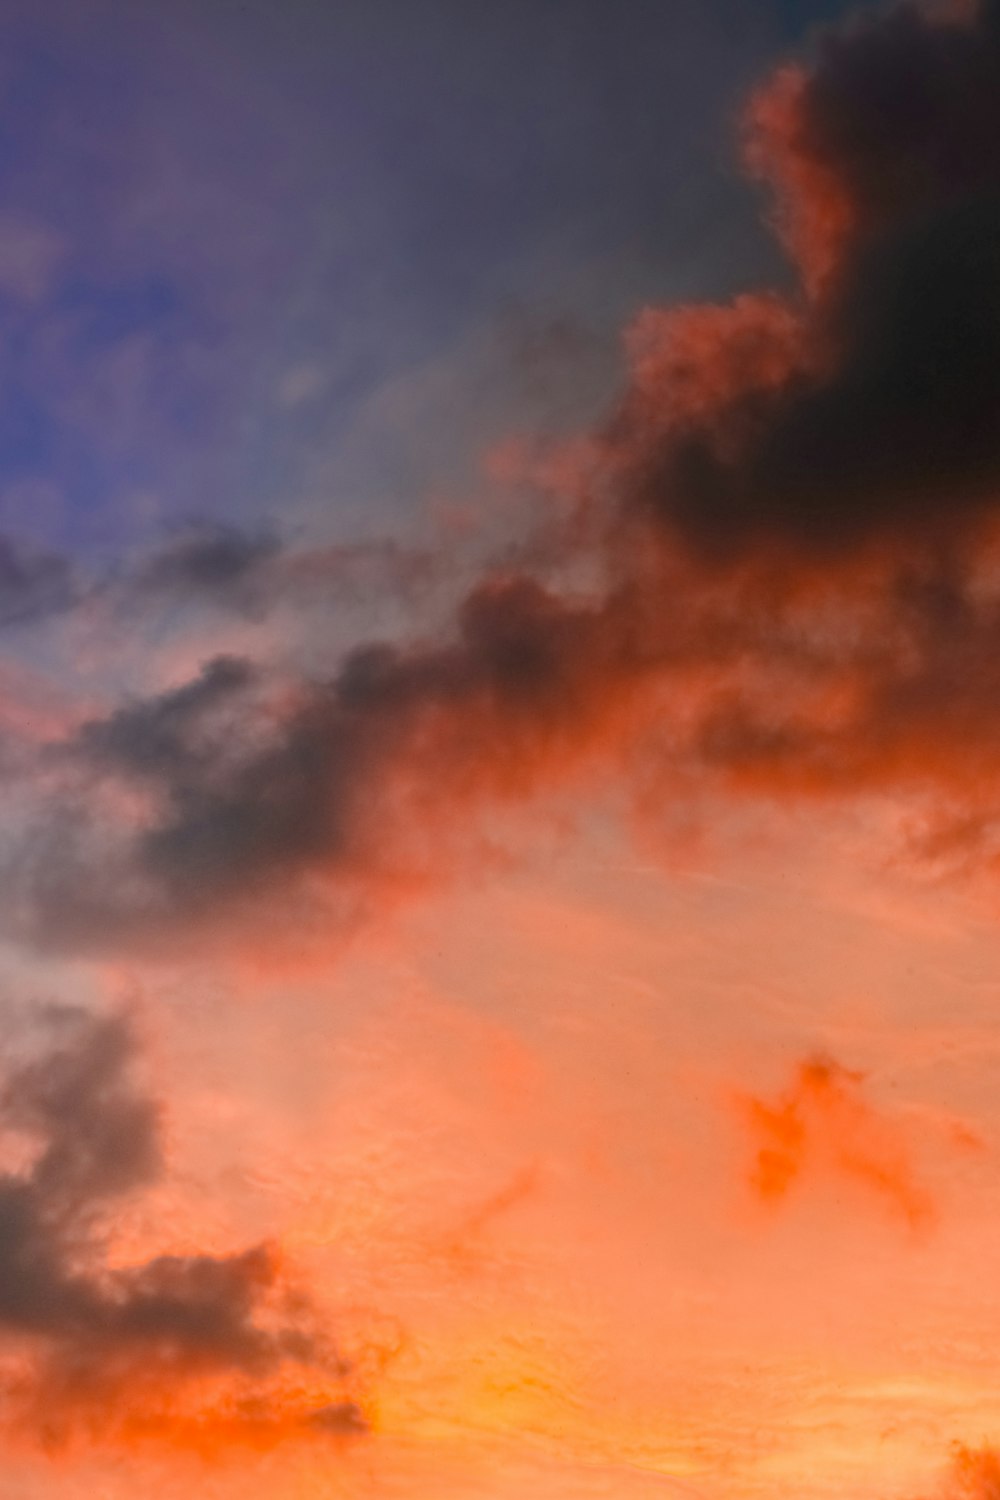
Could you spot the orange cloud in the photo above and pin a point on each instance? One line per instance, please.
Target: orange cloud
(822, 1124)
(974, 1473)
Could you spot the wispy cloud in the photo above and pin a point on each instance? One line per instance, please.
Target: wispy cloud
(823, 1124)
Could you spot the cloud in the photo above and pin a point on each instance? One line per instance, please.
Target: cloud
(777, 579)
(209, 567)
(242, 791)
(868, 397)
(974, 1473)
(823, 1125)
(226, 568)
(219, 564)
(209, 794)
(93, 1342)
(34, 584)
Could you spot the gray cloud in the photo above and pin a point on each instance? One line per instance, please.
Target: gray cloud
(219, 564)
(225, 568)
(34, 584)
(97, 1334)
(213, 567)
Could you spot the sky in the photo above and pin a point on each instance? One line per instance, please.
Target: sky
(500, 797)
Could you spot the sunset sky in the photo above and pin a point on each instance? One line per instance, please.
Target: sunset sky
(500, 732)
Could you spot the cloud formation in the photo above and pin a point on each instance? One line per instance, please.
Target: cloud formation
(209, 567)
(226, 568)
(867, 399)
(974, 1473)
(780, 579)
(209, 794)
(822, 1124)
(89, 1341)
(34, 584)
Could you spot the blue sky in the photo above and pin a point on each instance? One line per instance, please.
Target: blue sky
(278, 261)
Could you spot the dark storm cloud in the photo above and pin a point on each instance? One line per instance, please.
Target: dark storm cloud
(871, 399)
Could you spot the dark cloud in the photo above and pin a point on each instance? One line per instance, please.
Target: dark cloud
(224, 568)
(245, 784)
(218, 564)
(342, 1418)
(170, 734)
(870, 399)
(248, 792)
(92, 1333)
(34, 584)
(211, 567)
